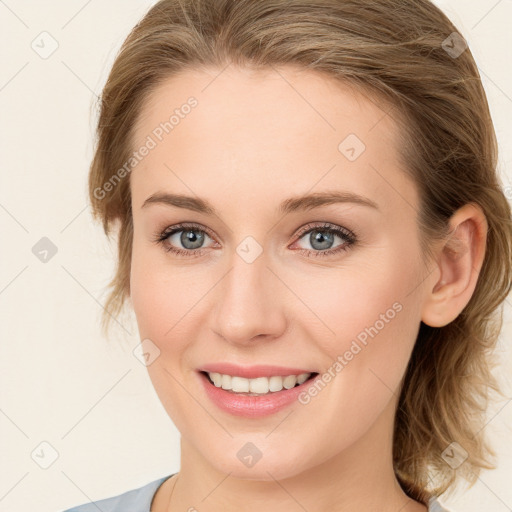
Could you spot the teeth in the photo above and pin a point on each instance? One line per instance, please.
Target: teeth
(259, 386)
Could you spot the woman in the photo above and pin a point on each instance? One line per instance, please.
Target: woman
(314, 241)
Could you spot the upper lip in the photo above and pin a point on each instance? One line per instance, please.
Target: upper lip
(251, 372)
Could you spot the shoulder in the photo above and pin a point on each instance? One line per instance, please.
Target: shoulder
(435, 506)
(135, 500)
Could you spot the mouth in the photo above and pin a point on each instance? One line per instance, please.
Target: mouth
(258, 396)
(259, 386)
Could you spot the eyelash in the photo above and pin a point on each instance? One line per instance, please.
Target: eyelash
(348, 236)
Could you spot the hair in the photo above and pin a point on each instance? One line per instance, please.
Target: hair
(397, 52)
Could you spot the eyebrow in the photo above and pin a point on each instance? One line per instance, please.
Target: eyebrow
(293, 204)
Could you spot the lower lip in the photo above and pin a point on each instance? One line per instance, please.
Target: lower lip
(253, 406)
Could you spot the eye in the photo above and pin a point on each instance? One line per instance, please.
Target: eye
(189, 236)
(322, 238)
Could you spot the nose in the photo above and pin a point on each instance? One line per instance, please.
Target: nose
(248, 303)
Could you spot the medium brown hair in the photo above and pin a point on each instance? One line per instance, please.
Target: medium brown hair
(395, 50)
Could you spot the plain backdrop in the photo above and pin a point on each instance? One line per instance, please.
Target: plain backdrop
(79, 419)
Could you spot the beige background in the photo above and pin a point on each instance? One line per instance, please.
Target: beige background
(62, 383)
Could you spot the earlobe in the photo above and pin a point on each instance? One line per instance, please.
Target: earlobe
(459, 262)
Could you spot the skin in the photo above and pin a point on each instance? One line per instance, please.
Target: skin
(254, 140)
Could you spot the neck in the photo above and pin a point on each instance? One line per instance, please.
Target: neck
(360, 478)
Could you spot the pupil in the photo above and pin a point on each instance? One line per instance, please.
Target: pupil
(190, 237)
(319, 237)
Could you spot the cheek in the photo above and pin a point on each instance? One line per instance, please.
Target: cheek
(152, 292)
(157, 300)
(366, 319)
(375, 320)
(164, 298)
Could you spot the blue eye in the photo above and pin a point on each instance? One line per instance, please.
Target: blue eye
(321, 239)
(192, 237)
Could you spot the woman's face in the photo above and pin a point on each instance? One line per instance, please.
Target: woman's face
(254, 283)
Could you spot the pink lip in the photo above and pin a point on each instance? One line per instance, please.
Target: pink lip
(253, 406)
(252, 372)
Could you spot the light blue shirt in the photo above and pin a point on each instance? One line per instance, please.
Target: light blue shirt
(139, 500)
(136, 500)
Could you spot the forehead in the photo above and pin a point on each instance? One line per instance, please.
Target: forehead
(286, 131)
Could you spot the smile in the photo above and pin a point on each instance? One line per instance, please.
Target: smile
(258, 386)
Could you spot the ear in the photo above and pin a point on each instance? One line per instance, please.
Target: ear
(458, 264)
